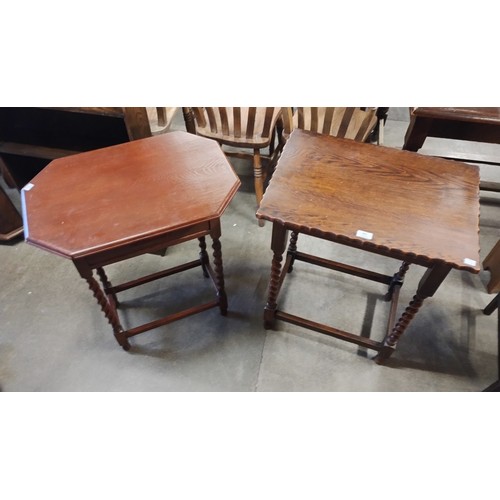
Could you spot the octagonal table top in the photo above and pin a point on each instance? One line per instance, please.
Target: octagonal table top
(102, 199)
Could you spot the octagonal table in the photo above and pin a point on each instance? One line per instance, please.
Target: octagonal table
(112, 204)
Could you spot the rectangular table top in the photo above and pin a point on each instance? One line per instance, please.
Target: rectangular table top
(381, 199)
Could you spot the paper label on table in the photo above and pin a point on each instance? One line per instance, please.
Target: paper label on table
(364, 234)
(23, 211)
(470, 262)
(28, 186)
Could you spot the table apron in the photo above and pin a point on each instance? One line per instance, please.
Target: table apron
(85, 264)
(365, 246)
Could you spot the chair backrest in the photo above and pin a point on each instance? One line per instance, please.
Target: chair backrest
(239, 123)
(349, 123)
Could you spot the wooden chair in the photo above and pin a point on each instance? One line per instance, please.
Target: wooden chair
(492, 264)
(245, 128)
(160, 119)
(350, 123)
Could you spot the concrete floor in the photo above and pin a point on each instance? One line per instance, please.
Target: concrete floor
(53, 336)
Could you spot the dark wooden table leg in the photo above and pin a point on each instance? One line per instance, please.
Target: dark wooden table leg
(397, 280)
(278, 245)
(107, 285)
(429, 283)
(107, 307)
(492, 306)
(489, 309)
(292, 249)
(498, 336)
(215, 234)
(416, 134)
(203, 256)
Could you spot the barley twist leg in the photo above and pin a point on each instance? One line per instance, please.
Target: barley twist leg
(109, 311)
(107, 285)
(428, 285)
(219, 276)
(292, 249)
(278, 245)
(203, 256)
(397, 280)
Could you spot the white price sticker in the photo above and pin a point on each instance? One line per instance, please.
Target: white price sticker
(364, 234)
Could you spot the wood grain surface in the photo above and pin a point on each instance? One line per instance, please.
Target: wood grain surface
(417, 208)
(480, 115)
(102, 199)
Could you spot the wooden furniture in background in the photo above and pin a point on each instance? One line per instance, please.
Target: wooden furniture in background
(492, 264)
(378, 133)
(112, 204)
(32, 137)
(350, 123)
(244, 128)
(11, 224)
(464, 124)
(160, 119)
(393, 203)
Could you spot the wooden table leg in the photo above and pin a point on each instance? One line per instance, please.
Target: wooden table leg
(417, 133)
(498, 337)
(427, 287)
(107, 308)
(107, 285)
(397, 280)
(489, 309)
(292, 249)
(494, 304)
(215, 234)
(203, 256)
(278, 245)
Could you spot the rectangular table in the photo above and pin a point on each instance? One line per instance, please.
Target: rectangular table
(398, 204)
